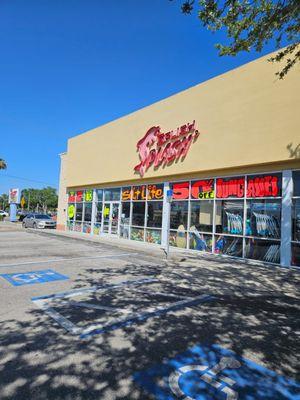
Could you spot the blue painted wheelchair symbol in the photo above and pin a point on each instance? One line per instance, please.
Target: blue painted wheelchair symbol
(32, 277)
(211, 372)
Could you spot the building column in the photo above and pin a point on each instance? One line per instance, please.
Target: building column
(165, 216)
(93, 211)
(286, 218)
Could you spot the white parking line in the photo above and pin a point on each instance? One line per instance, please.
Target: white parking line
(66, 259)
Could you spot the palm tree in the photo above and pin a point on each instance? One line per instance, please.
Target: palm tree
(3, 164)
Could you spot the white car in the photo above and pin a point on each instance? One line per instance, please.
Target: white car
(3, 213)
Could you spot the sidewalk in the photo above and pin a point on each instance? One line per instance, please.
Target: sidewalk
(151, 249)
(176, 255)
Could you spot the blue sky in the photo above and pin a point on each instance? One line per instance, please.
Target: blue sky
(69, 66)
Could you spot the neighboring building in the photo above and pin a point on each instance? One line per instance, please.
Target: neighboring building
(229, 149)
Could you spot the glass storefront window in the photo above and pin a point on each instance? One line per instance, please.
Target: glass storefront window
(201, 215)
(230, 187)
(296, 180)
(97, 228)
(138, 213)
(77, 226)
(112, 194)
(229, 245)
(153, 236)
(88, 195)
(139, 192)
(203, 189)
(155, 192)
(70, 226)
(179, 215)
(99, 195)
(86, 228)
(137, 234)
(99, 212)
(87, 212)
(268, 185)
(296, 220)
(126, 193)
(296, 254)
(79, 208)
(229, 217)
(125, 220)
(263, 250)
(181, 190)
(154, 215)
(178, 239)
(71, 212)
(71, 197)
(263, 218)
(200, 241)
(79, 196)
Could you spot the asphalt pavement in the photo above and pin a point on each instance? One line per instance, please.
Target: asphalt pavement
(91, 320)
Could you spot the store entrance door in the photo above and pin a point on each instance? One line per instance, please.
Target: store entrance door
(111, 218)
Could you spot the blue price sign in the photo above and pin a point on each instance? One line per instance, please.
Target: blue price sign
(32, 277)
(211, 372)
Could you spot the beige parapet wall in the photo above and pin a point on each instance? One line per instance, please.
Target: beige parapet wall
(246, 117)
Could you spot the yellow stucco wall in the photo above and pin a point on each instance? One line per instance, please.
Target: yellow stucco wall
(245, 117)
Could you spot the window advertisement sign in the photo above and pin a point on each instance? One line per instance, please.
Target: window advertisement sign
(155, 192)
(14, 196)
(264, 185)
(126, 193)
(180, 190)
(230, 187)
(203, 189)
(71, 197)
(71, 211)
(79, 196)
(88, 195)
(139, 192)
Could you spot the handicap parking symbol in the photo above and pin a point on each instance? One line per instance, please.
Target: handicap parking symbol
(211, 372)
(32, 277)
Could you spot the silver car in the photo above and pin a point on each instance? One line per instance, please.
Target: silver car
(38, 221)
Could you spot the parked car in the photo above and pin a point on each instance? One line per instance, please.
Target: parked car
(3, 213)
(38, 221)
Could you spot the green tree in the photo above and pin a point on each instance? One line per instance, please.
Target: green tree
(3, 164)
(40, 199)
(4, 201)
(251, 24)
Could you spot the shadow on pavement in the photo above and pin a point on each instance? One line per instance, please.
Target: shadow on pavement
(256, 314)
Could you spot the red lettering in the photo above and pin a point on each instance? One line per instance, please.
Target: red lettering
(169, 146)
(181, 190)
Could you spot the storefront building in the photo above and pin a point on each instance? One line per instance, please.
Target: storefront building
(213, 169)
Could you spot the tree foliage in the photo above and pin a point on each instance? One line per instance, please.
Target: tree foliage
(4, 202)
(251, 24)
(36, 199)
(3, 164)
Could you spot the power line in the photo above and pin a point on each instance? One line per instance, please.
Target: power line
(29, 180)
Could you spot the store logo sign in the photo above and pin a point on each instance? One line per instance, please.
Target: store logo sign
(157, 148)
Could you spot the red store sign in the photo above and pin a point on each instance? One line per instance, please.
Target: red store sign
(157, 148)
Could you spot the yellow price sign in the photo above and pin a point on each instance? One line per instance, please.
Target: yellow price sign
(71, 211)
(23, 202)
(88, 195)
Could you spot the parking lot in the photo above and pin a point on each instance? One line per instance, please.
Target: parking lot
(85, 320)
